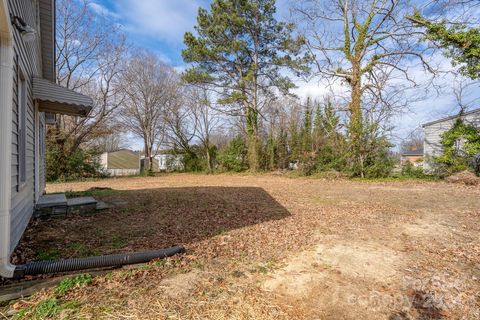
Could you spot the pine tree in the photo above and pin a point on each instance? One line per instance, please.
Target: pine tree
(240, 48)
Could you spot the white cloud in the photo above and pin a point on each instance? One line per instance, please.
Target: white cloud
(101, 10)
(164, 19)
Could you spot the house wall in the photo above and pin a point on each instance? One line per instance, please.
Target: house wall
(27, 60)
(120, 163)
(433, 132)
(122, 172)
(167, 162)
(123, 159)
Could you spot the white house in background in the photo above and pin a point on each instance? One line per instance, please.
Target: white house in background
(433, 131)
(121, 162)
(28, 94)
(169, 162)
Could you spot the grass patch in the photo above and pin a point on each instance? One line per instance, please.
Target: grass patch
(70, 283)
(48, 254)
(117, 242)
(80, 250)
(47, 309)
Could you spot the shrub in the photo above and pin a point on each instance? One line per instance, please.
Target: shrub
(233, 157)
(461, 144)
(61, 166)
(410, 171)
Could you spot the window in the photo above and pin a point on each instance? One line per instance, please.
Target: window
(22, 129)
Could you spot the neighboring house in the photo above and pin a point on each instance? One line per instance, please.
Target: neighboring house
(27, 92)
(122, 162)
(163, 162)
(413, 155)
(433, 133)
(170, 162)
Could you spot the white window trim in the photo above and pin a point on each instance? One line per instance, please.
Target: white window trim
(6, 93)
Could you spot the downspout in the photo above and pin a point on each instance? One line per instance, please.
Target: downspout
(6, 90)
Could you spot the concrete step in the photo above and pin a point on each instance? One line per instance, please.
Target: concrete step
(58, 204)
(81, 205)
(80, 201)
(51, 201)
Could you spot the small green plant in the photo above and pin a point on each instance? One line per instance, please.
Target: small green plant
(117, 242)
(80, 250)
(160, 263)
(410, 171)
(48, 254)
(46, 309)
(70, 283)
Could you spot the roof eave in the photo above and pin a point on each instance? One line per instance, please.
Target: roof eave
(450, 118)
(54, 98)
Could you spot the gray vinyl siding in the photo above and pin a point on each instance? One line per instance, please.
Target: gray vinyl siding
(27, 58)
(433, 134)
(42, 149)
(47, 45)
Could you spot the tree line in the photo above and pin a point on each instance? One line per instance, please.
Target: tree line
(233, 107)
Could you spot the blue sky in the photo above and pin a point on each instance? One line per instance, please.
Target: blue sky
(159, 25)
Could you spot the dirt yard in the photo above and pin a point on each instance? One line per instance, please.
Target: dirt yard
(269, 247)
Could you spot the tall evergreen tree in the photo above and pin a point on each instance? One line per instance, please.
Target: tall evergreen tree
(240, 48)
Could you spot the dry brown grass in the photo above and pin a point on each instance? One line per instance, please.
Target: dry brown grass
(465, 177)
(269, 247)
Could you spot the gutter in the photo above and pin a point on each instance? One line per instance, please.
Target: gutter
(6, 92)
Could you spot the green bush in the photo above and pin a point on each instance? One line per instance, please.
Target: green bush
(410, 171)
(456, 158)
(233, 157)
(80, 164)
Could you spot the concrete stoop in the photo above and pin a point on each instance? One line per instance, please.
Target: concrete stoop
(58, 204)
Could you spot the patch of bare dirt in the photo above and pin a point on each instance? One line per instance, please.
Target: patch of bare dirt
(356, 260)
(428, 228)
(180, 285)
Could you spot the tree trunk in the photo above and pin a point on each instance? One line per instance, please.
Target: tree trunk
(209, 160)
(150, 164)
(252, 139)
(355, 108)
(148, 155)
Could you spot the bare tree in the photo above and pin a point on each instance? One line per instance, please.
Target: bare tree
(89, 53)
(179, 118)
(462, 89)
(414, 140)
(368, 46)
(145, 79)
(109, 143)
(207, 120)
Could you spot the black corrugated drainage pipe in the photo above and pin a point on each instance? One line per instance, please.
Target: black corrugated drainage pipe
(114, 260)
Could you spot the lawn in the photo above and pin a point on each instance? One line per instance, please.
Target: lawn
(267, 247)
